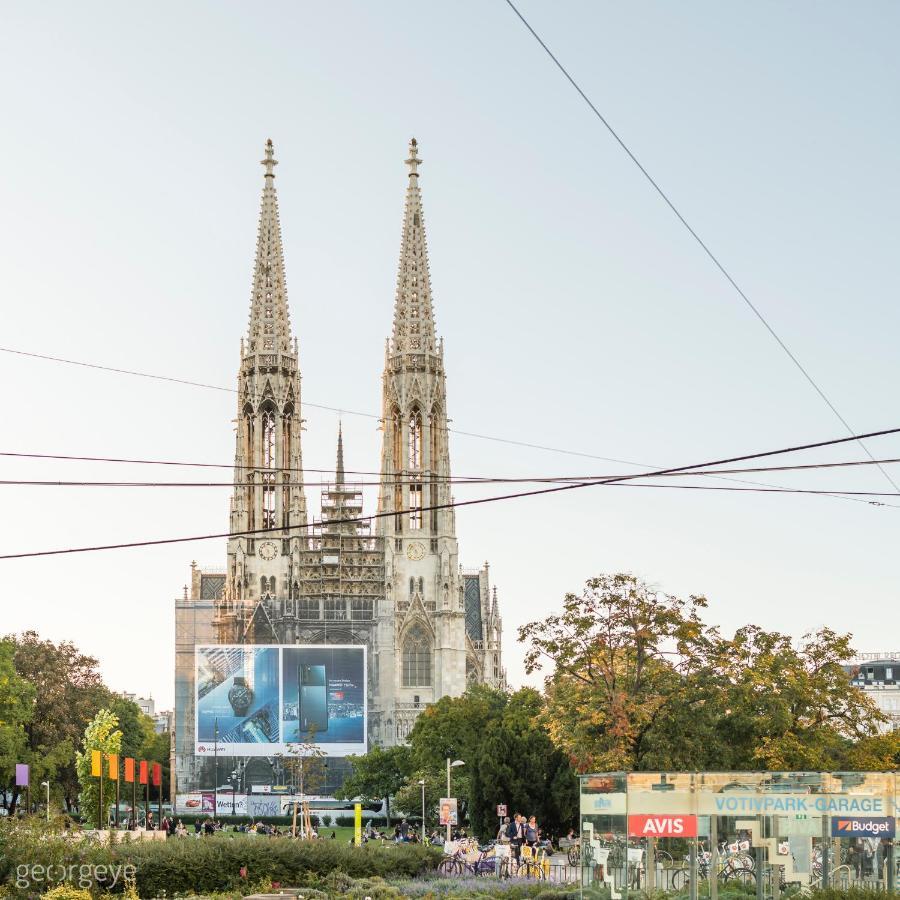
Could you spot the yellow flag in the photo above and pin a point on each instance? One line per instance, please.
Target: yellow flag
(114, 766)
(96, 763)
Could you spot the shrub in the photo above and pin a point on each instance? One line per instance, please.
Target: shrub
(210, 864)
(66, 891)
(344, 821)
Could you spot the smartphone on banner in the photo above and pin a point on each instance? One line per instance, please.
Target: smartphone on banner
(313, 707)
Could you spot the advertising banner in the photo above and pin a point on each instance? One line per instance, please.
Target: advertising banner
(863, 826)
(448, 814)
(603, 804)
(662, 826)
(265, 699)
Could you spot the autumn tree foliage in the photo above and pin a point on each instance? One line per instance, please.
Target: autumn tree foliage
(635, 680)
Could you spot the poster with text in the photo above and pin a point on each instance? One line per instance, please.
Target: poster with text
(324, 697)
(267, 699)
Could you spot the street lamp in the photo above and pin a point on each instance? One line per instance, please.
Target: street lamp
(450, 765)
(422, 785)
(46, 784)
(234, 780)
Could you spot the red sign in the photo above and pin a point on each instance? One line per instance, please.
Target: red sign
(157, 774)
(142, 772)
(662, 826)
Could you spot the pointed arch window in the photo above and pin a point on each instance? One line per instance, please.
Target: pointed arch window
(416, 658)
(268, 461)
(397, 461)
(415, 440)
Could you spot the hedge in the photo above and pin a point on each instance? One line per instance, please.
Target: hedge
(208, 864)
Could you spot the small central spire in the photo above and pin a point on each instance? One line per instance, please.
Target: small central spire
(339, 473)
(269, 162)
(413, 162)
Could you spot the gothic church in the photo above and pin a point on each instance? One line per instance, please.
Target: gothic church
(392, 582)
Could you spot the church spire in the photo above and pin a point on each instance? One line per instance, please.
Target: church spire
(413, 311)
(270, 325)
(339, 472)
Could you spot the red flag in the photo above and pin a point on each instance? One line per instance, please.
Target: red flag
(157, 774)
(142, 777)
(129, 769)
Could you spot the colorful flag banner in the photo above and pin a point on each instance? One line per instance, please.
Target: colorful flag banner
(96, 763)
(142, 772)
(157, 774)
(129, 769)
(21, 774)
(114, 766)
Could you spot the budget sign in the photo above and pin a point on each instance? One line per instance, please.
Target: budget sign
(662, 826)
(863, 826)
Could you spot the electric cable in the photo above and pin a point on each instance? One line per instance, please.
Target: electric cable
(276, 530)
(695, 236)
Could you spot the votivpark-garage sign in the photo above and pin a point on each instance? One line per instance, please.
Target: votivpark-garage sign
(733, 803)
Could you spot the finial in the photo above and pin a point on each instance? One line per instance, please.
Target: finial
(269, 162)
(413, 162)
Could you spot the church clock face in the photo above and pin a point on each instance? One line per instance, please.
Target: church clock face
(415, 550)
(268, 550)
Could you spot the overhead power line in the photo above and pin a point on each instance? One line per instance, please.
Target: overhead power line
(419, 478)
(306, 403)
(703, 245)
(555, 489)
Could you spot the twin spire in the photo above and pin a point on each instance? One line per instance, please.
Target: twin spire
(413, 310)
(270, 323)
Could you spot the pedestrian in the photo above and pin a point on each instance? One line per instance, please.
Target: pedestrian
(502, 833)
(531, 832)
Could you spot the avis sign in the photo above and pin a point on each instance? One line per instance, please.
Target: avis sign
(662, 826)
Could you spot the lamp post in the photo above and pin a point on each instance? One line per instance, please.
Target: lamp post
(216, 774)
(234, 780)
(451, 765)
(422, 785)
(46, 784)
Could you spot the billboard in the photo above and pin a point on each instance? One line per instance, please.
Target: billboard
(264, 699)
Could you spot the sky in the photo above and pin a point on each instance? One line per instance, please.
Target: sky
(577, 313)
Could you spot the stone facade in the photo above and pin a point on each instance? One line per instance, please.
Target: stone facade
(431, 627)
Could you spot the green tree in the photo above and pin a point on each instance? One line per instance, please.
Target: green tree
(16, 702)
(377, 775)
(454, 727)
(102, 733)
(789, 705)
(518, 765)
(67, 693)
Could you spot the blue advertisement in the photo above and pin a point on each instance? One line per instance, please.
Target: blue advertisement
(264, 699)
(324, 695)
(863, 826)
(237, 697)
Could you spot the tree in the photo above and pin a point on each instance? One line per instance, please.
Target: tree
(67, 692)
(102, 734)
(377, 775)
(454, 727)
(518, 765)
(789, 706)
(640, 683)
(624, 655)
(16, 701)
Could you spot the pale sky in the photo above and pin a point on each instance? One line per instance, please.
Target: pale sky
(576, 311)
